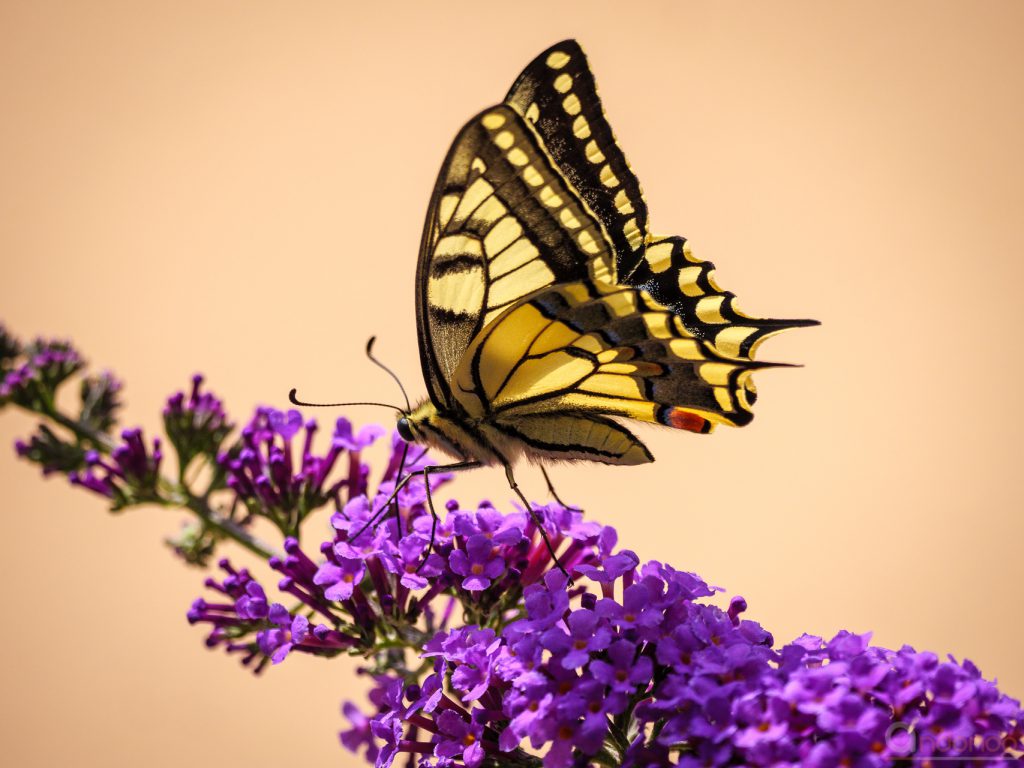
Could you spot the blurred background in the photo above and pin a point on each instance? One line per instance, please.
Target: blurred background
(238, 189)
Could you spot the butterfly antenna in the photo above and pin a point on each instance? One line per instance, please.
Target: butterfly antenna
(294, 400)
(369, 354)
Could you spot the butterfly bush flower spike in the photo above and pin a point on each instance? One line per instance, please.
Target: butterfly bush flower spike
(481, 651)
(196, 423)
(129, 476)
(45, 366)
(628, 665)
(276, 471)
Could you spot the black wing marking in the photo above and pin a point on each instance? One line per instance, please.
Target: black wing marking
(557, 94)
(673, 276)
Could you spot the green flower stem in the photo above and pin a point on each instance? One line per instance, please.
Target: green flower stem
(81, 432)
(179, 496)
(229, 528)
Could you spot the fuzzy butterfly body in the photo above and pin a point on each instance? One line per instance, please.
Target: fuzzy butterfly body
(546, 309)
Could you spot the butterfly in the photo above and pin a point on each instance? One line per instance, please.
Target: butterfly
(547, 311)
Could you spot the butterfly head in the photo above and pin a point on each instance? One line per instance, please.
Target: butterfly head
(418, 424)
(434, 429)
(405, 430)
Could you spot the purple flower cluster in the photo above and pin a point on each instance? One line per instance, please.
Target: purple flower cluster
(244, 622)
(483, 653)
(130, 475)
(655, 678)
(195, 424)
(373, 581)
(30, 377)
(45, 448)
(630, 665)
(266, 476)
(46, 366)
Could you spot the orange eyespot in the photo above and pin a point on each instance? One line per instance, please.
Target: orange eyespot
(683, 419)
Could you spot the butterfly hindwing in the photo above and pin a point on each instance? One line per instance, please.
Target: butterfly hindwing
(673, 276)
(576, 435)
(582, 350)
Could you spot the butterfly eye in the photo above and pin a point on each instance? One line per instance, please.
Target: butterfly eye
(405, 430)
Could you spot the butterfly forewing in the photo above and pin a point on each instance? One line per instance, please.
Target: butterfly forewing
(503, 224)
(672, 275)
(557, 95)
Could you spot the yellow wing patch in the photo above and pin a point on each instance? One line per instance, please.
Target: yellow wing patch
(504, 224)
(576, 436)
(579, 349)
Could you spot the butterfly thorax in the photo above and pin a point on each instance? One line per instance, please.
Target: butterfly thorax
(454, 433)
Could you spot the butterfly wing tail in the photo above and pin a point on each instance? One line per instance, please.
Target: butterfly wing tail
(673, 276)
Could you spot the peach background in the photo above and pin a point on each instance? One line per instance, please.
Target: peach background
(239, 188)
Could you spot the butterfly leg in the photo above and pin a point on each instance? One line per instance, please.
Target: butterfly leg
(375, 518)
(536, 519)
(401, 468)
(405, 481)
(426, 472)
(553, 492)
